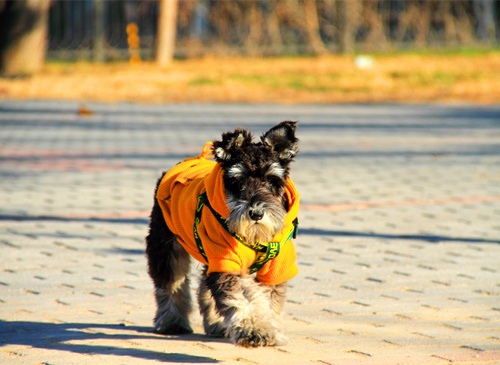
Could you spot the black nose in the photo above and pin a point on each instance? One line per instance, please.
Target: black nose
(256, 215)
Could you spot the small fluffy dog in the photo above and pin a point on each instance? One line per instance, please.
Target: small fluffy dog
(237, 215)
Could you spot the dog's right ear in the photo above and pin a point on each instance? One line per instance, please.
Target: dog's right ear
(231, 142)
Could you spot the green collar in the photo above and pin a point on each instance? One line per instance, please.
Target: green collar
(265, 250)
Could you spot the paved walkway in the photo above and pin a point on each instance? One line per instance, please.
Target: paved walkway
(399, 249)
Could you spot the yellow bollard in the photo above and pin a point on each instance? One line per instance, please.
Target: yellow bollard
(134, 43)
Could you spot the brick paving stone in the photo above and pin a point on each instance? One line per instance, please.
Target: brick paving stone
(398, 246)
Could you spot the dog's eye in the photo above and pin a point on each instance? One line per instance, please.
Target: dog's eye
(241, 180)
(274, 181)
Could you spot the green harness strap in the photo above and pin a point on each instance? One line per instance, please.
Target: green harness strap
(265, 251)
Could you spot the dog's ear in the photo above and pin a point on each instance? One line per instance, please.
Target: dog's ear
(231, 142)
(282, 140)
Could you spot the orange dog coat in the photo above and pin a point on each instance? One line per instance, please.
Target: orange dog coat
(178, 194)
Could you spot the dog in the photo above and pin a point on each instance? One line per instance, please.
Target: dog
(237, 215)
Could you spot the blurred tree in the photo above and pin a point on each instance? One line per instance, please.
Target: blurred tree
(167, 30)
(347, 22)
(485, 15)
(99, 43)
(23, 35)
(312, 27)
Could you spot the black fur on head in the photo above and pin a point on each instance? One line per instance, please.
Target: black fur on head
(255, 176)
(279, 144)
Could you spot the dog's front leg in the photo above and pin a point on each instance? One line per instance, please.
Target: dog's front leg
(241, 319)
(277, 297)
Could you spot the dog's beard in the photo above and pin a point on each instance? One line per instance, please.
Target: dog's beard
(264, 230)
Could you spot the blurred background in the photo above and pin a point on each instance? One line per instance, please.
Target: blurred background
(272, 27)
(301, 50)
(120, 29)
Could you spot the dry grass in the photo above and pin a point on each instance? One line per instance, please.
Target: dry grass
(472, 78)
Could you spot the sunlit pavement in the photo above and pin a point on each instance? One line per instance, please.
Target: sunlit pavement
(398, 247)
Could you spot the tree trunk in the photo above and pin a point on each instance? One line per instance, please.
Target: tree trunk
(484, 10)
(347, 22)
(312, 27)
(98, 44)
(23, 36)
(167, 29)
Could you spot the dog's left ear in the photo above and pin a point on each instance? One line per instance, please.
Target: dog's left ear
(283, 141)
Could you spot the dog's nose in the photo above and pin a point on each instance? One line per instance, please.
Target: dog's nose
(256, 215)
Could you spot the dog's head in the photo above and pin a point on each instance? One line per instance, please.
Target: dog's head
(255, 176)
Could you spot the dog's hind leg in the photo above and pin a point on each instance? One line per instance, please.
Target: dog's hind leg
(213, 322)
(169, 266)
(173, 309)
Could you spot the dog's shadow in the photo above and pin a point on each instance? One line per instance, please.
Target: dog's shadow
(66, 337)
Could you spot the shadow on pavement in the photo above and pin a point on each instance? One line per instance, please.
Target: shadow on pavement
(23, 218)
(58, 337)
(417, 237)
(306, 231)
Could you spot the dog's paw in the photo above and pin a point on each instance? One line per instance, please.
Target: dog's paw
(253, 337)
(172, 326)
(216, 329)
(254, 340)
(280, 339)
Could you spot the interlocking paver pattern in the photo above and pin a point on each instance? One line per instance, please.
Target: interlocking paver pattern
(399, 251)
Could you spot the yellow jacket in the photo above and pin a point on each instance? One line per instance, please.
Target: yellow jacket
(177, 195)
